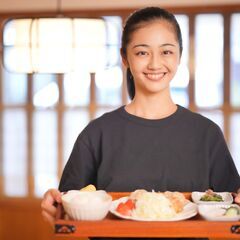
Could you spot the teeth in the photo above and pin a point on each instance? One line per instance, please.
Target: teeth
(155, 76)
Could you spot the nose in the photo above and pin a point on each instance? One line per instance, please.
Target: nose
(155, 62)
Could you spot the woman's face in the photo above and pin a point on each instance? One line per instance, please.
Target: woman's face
(153, 57)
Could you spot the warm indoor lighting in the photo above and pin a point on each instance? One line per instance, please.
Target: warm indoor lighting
(54, 45)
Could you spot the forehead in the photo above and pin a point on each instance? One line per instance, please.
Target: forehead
(157, 30)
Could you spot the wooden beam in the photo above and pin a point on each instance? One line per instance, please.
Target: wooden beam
(226, 62)
(92, 103)
(1, 121)
(29, 146)
(60, 119)
(191, 86)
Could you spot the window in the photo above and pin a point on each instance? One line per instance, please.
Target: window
(77, 88)
(108, 86)
(235, 60)
(209, 60)
(234, 138)
(45, 90)
(15, 152)
(44, 150)
(52, 109)
(108, 79)
(14, 88)
(179, 85)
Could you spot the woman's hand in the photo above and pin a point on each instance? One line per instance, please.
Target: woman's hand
(49, 205)
(237, 197)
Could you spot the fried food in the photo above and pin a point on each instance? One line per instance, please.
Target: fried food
(88, 188)
(177, 199)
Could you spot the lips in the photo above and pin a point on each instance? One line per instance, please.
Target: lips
(155, 76)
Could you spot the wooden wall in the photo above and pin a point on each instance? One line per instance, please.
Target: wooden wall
(21, 219)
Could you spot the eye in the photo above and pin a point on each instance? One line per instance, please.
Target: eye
(141, 53)
(167, 52)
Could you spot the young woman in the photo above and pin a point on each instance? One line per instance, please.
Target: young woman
(151, 143)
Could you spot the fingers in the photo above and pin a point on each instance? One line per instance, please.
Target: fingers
(52, 195)
(60, 211)
(56, 195)
(48, 218)
(49, 210)
(237, 198)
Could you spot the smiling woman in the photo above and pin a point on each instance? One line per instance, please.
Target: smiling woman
(70, 99)
(37, 134)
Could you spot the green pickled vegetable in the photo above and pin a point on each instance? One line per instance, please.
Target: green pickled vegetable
(213, 197)
(232, 212)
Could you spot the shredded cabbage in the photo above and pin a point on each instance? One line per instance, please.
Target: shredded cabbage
(152, 205)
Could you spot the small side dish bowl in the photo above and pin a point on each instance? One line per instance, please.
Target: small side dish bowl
(89, 206)
(226, 197)
(219, 212)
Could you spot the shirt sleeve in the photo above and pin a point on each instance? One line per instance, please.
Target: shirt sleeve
(223, 173)
(80, 169)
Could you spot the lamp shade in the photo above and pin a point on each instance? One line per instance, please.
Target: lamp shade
(54, 45)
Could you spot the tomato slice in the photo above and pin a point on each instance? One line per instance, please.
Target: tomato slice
(130, 203)
(126, 208)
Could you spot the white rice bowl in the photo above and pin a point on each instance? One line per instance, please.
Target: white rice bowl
(86, 205)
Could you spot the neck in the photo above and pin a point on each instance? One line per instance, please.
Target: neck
(152, 107)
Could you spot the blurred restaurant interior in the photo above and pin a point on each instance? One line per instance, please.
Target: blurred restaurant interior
(61, 68)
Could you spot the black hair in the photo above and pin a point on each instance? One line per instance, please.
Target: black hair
(134, 21)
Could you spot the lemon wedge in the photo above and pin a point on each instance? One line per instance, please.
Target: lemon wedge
(88, 188)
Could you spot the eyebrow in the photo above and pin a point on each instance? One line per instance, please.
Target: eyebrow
(163, 45)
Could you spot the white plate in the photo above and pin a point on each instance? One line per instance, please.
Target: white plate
(227, 198)
(189, 210)
(216, 212)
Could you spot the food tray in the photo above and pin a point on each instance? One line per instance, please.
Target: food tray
(112, 226)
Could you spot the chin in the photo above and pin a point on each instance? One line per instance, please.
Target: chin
(158, 89)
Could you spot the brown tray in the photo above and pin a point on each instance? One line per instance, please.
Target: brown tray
(112, 226)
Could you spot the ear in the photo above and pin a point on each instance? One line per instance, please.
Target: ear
(124, 59)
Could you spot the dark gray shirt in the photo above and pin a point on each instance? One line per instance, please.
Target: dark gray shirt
(122, 152)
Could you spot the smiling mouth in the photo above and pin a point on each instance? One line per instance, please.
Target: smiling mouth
(154, 76)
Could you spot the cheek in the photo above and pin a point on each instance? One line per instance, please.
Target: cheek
(174, 63)
(134, 64)
(138, 63)
(137, 68)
